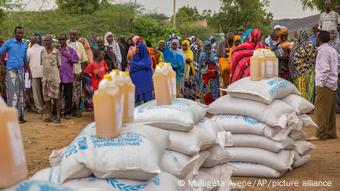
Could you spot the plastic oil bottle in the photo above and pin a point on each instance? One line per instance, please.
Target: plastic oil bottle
(107, 109)
(162, 85)
(172, 76)
(13, 167)
(257, 66)
(118, 81)
(272, 64)
(128, 90)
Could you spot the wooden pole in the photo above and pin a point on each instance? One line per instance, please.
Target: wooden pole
(174, 15)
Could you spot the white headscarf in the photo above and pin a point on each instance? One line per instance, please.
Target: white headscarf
(115, 47)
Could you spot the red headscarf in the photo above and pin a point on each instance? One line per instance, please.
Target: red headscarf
(240, 66)
(136, 40)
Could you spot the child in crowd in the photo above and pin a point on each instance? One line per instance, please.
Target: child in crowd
(93, 74)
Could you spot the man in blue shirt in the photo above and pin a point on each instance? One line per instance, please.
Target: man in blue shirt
(16, 65)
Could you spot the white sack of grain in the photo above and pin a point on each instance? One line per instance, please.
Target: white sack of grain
(277, 114)
(265, 91)
(181, 115)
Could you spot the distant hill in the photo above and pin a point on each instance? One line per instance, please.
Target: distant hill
(301, 23)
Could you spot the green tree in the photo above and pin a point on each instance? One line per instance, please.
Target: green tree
(188, 22)
(150, 29)
(159, 17)
(6, 5)
(317, 4)
(187, 15)
(114, 17)
(78, 6)
(242, 14)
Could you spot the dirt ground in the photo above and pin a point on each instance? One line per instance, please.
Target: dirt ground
(41, 138)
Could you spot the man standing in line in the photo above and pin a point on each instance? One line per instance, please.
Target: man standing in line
(326, 79)
(34, 62)
(69, 58)
(16, 65)
(329, 20)
(77, 69)
(51, 62)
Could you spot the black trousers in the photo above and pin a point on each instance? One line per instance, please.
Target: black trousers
(68, 91)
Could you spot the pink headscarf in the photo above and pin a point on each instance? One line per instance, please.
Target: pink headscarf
(136, 40)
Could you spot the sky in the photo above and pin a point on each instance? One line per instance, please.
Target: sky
(280, 9)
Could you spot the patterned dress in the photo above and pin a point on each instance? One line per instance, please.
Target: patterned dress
(302, 66)
(209, 70)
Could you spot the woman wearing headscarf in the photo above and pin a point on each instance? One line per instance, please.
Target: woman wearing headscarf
(245, 36)
(86, 82)
(123, 50)
(175, 46)
(302, 65)
(156, 56)
(132, 49)
(152, 54)
(141, 74)
(335, 43)
(109, 56)
(176, 58)
(283, 52)
(111, 44)
(92, 39)
(209, 70)
(178, 65)
(225, 63)
(236, 42)
(172, 37)
(197, 54)
(190, 73)
(87, 48)
(167, 53)
(240, 66)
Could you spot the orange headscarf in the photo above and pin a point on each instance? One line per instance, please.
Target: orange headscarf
(285, 44)
(236, 38)
(282, 31)
(87, 48)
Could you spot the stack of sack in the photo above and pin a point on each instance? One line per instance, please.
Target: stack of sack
(196, 151)
(127, 162)
(266, 119)
(165, 144)
(13, 166)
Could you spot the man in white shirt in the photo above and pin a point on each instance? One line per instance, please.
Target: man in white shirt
(329, 20)
(34, 62)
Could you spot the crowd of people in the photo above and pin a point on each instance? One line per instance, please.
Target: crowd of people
(63, 75)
